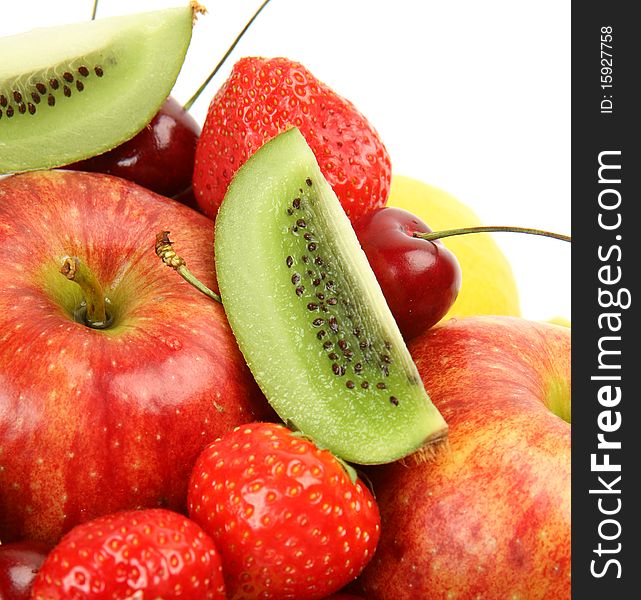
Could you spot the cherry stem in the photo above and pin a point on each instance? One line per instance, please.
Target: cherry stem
(166, 253)
(199, 91)
(437, 235)
(75, 270)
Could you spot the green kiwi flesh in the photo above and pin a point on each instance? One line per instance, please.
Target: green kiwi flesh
(74, 91)
(309, 315)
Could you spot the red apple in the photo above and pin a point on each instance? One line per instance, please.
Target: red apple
(489, 516)
(98, 420)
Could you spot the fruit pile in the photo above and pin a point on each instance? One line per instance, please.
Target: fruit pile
(312, 426)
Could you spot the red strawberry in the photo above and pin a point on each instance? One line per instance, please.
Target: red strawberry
(286, 517)
(262, 98)
(153, 553)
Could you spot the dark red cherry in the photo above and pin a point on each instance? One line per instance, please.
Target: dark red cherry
(420, 279)
(160, 157)
(19, 564)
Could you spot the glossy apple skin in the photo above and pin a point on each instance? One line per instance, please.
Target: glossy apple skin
(19, 565)
(95, 421)
(488, 517)
(160, 157)
(420, 279)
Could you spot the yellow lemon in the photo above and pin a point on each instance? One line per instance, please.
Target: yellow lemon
(560, 320)
(488, 286)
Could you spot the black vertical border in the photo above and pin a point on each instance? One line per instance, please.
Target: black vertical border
(592, 133)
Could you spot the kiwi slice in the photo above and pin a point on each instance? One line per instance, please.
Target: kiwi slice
(74, 91)
(309, 315)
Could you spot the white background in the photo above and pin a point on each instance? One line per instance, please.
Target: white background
(470, 96)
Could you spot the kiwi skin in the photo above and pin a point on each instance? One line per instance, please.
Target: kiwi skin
(74, 91)
(309, 315)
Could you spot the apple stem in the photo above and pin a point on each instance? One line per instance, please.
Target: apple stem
(96, 313)
(437, 235)
(205, 83)
(166, 253)
(95, 10)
